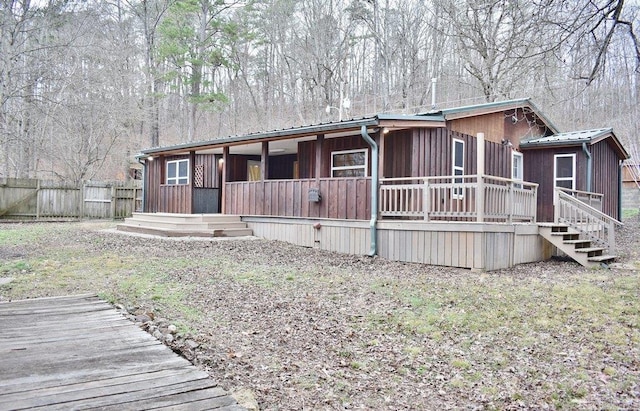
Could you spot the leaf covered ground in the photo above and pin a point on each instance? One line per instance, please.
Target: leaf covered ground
(308, 329)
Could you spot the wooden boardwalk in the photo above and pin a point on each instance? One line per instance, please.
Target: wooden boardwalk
(66, 353)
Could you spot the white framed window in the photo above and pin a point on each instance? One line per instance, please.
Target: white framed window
(517, 167)
(178, 172)
(564, 171)
(349, 163)
(457, 167)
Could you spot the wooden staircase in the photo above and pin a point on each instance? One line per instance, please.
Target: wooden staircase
(570, 242)
(186, 225)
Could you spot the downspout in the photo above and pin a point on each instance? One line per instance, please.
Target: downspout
(588, 154)
(619, 190)
(144, 183)
(374, 190)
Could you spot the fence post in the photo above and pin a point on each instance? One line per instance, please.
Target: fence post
(113, 201)
(82, 196)
(38, 200)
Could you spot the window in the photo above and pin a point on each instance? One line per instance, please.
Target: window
(457, 162)
(564, 171)
(349, 163)
(517, 167)
(178, 172)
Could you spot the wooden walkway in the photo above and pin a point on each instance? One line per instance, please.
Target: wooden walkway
(66, 353)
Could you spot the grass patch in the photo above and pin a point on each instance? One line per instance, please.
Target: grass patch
(630, 213)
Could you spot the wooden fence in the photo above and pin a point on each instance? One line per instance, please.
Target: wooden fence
(30, 198)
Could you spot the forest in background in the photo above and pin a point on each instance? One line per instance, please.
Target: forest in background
(85, 84)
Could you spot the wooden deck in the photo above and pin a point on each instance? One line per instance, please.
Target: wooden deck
(65, 353)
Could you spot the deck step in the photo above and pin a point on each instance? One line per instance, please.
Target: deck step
(603, 258)
(570, 242)
(186, 225)
(589, 250)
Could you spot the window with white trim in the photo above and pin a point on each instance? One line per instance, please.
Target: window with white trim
(517, 170)
(457, 163)
(178, 172)
(564, 171)
(349, 163)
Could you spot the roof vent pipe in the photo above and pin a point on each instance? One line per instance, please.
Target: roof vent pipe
(433, 93)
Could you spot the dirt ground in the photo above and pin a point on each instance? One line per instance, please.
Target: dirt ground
(301, 328)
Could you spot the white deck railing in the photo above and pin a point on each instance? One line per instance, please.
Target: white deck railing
(592, 223)
(458, 198)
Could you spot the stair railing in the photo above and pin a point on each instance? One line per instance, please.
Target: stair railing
(592, 223)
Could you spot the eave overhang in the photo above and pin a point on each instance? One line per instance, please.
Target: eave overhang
(354, 125)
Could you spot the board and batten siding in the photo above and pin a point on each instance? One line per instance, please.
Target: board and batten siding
(605, 175)
(345, 198)
(538, 168)
(432, 154)
(307, 154)
(469, 245)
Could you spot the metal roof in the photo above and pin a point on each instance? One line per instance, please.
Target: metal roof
(573, 138)
(294, 132)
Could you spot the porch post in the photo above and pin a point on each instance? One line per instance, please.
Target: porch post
(381, 140)
(192, 174)
(480, 168)
(225, 164)
(264, 161)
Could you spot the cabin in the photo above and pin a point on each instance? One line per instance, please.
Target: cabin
(483, 187)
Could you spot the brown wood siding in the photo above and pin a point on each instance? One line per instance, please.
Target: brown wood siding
(160, 197)
(211, 169)
(237, 167)
(497, 159)
(307, 159)
(343, 198)
(499, 126)
(492, 125)
(605, 174)
(398, 154)
(281, 167)
(431, 151)
(175, 199)
(538, 168)
(306, 153)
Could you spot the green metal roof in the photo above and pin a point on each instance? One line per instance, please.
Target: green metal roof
(573, 138)
(294, 132)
